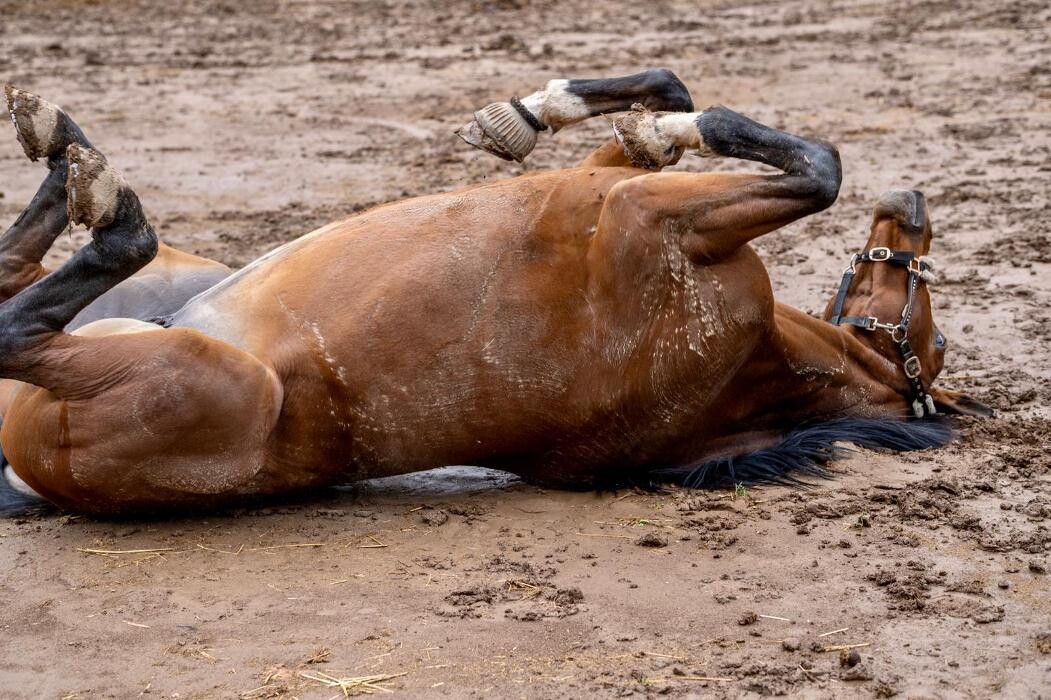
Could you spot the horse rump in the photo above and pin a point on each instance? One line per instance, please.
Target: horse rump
(804, 453)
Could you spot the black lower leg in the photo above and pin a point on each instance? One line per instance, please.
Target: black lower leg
(812, 165)
(117, 250)
(29, 238)
(659, 90)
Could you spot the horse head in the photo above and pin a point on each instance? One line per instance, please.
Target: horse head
(884, 302)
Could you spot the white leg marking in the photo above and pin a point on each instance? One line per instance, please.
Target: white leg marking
(655, 139)
(556, 106)
(680, 128)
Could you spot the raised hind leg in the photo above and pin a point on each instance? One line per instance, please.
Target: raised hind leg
(44, 131)
(163, 286)
(509, 130)
(122, 243)
(172, 278)
(127, 416)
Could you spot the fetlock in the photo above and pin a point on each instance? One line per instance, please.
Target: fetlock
(645, 144)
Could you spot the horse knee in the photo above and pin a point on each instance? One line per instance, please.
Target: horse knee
(668, 92)
(813, 166)
(638, 202)
(16, 275)
(825, 172)
(19, 339)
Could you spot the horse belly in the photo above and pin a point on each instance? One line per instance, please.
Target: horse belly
(442, 330)
(407, 385)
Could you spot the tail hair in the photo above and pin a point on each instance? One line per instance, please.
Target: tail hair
(14, 502)
(805, 453)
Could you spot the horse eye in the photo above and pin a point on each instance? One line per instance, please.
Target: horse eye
(939, 339)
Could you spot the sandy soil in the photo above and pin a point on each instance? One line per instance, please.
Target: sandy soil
(246, 124)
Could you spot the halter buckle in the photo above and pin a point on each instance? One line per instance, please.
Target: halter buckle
(879, 254)
(851, 267)
(913, 367)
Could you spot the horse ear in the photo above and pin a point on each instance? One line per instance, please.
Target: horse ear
(958, 403)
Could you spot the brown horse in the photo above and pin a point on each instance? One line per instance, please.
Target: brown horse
(593, 326)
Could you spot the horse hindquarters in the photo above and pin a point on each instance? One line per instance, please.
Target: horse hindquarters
(127, 415)
(146, 419)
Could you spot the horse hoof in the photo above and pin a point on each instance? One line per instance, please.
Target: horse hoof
(43, 129)
(499, 129)
(644, 143)
(92, 187)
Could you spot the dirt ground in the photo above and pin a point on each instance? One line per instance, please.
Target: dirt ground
(243, 125)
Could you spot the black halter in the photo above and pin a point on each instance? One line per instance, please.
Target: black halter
(922, 403)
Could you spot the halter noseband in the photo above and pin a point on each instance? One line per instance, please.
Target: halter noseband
(919, 269)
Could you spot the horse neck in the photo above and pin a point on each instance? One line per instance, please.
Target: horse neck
(817, 370)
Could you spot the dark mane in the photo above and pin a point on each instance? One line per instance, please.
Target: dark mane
(805, 452)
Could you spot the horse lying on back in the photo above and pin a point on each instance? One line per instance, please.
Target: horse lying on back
(593, 326)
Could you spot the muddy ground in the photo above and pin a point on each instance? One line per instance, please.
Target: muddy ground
(243, 125)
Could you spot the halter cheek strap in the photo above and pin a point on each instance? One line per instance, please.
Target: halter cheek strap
(919, 270)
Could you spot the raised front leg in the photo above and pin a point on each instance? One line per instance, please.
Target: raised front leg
(509, 129)
(44, 131)
(717, 213)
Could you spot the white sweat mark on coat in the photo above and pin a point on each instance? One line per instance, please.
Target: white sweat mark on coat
(339, 370)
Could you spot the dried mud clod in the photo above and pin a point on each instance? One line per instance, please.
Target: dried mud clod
(652, 539)
(857, 672)
(527, 593)
(432, 517)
